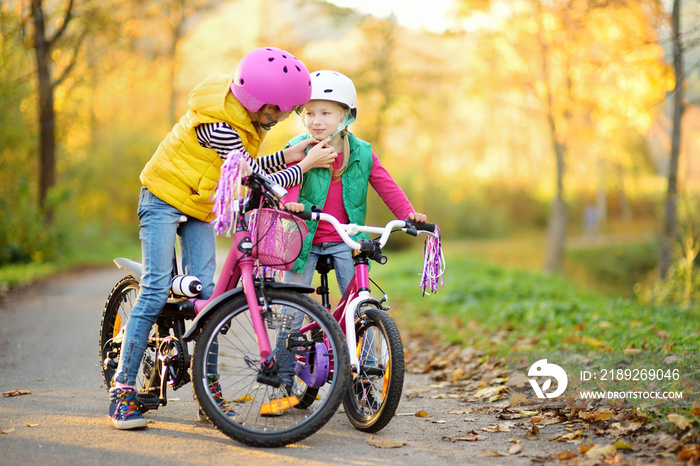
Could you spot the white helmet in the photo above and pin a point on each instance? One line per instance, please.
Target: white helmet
(336, 87)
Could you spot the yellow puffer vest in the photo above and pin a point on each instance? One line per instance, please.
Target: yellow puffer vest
(183, 173)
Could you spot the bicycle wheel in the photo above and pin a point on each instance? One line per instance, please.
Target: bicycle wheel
(372, 397)
(235, 380)
(114, 318)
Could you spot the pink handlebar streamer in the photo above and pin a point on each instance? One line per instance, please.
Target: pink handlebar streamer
(228, 193)
(433, 263)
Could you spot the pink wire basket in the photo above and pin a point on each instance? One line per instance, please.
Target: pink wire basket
(277, 237)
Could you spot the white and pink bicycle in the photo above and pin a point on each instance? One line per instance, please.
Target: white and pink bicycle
(374, 341)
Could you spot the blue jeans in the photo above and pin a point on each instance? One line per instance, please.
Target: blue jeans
(344, 271)
(158, 233)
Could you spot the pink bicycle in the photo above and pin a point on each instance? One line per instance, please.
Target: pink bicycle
(374, 342)
(233, 364)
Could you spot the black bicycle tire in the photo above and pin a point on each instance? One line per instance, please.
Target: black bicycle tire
(308, 396)
(270, 439)
(379, 419)
(107, 324)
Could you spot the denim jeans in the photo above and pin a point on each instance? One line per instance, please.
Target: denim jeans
(158, 233)
(344, 271)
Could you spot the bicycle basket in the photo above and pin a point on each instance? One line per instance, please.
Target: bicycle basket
(277, 237)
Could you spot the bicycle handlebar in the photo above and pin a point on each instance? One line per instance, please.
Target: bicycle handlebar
(345, 230)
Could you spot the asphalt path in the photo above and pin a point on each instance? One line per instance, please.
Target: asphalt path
(49, 347)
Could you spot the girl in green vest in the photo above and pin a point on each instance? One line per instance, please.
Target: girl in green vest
(225, 113)
(341, 190)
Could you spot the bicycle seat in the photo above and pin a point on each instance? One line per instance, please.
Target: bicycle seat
(324, 264)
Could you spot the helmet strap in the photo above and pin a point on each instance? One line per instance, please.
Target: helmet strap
(347, 121)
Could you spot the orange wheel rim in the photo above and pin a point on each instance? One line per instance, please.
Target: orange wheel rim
(387, 377)
(117, 326)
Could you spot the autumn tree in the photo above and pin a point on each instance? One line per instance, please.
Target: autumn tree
(54, 31)
(587, 73)
(670, 223)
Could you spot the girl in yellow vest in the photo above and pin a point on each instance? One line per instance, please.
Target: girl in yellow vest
(225, 113)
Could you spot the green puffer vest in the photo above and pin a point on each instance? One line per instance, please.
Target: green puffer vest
(355, 179)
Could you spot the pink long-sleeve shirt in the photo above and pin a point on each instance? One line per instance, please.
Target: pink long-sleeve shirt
(382, 182)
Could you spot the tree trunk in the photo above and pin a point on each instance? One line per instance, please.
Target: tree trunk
(47, 116)
(556, 235)
(671, 209)
(177, 15)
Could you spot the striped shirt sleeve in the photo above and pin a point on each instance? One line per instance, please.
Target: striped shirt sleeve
(224, 139)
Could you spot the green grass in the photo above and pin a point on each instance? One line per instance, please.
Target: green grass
(496, 309)
(18, 275)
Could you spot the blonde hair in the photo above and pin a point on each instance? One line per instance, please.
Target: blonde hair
(346, 155)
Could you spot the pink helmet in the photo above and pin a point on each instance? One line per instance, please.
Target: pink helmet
(272, 76)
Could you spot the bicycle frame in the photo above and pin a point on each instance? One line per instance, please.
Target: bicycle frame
(358, 292)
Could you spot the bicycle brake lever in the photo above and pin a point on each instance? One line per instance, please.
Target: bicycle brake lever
(410, 228)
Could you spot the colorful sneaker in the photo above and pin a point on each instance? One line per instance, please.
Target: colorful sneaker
(215, 388)
(123, 411)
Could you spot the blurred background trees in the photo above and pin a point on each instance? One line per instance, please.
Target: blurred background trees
(523, 118)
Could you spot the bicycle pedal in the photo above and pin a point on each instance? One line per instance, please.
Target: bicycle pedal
(275, 406)
(147, 401)
(297, 344)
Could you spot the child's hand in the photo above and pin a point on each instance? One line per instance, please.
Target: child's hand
(322, 155)
(294, 207)
(297, 152)
(418, 218)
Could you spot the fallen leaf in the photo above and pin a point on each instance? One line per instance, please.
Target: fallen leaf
(696, 408)
(459, 411)
(422, 413)
(505, 427)
(680, 421)
(689, 454)
(515, 449)
(598, 451)
(533, 434)
(623, 445)
(438, 421)
(617, 459)
(244, 399)
(565, 455)
(472, 436)
(594, 416)
(30, 425)
(567, 437)
(517, 398)
(585, 447)
(17, 393)
(518, 380)
(457, 375)
(8, 431)
(490, 392)
(385, 443)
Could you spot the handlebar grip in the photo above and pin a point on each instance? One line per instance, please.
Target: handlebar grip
(421, 226)
(425, 226)
(305, 215)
